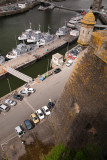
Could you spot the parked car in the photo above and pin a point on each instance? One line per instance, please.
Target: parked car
(24, 93)
(10, 102)
(19, 130)
(46, 110)
(30, 90)
(71, 57)
(75, 51)
(34, 117)
(40, 114)
(28, 124)
(18, 97)
(79, 48)
(50, 105)
(4, 108)
(57, 70)
(69, 62)
(73, 54)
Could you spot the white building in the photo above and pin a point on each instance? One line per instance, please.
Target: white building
(57, 59)
(22, 5)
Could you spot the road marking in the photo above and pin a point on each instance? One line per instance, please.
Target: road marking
(7, 142)
(25, 100)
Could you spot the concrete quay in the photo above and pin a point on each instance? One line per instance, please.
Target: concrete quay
(13, 12)
(30, 58)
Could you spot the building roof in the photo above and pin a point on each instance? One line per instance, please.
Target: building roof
(89, 18)
(57, 55)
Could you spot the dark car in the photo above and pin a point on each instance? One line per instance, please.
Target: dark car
(18, 97)
(28, 124)
(50, 105)
(57, 70)
(75, 51)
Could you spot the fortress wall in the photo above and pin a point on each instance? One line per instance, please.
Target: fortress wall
(85, 89)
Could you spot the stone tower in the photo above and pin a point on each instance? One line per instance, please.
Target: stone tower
(96, 5)
(87, 25)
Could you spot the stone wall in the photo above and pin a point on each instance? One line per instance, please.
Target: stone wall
(8, 1)
(80, 113)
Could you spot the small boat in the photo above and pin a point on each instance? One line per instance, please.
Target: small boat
(77, 18)
(21, 49)
(26, 35)
(47, 38)
(83, 13)
(36, 36)
(62, 31)
(71, 25)
(52, 6)
(41, 8)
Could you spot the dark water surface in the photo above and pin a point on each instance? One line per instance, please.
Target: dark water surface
(11, 27)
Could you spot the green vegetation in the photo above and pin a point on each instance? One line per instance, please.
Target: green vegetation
(55, 153)
(6, 158)
(89, 152)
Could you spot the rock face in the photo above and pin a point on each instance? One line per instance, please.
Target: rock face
(80, 113)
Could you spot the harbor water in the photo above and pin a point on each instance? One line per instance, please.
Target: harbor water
(11, 27)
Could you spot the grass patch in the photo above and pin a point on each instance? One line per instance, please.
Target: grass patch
(55, 153)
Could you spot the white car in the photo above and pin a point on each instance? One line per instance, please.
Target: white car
(4, 108)
(10, 102)
(40, 114)
(19, 130)
(69, 63)
(24, 93)
(46, 110)
(30, 90)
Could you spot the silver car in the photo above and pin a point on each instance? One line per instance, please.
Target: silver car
(10, 102)
(4, 108)
(19, 130)
(24, 93)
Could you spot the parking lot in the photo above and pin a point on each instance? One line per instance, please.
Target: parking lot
(50, 88)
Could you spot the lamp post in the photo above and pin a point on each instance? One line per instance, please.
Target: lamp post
(67, 46)
(47, 65)
(9, 84)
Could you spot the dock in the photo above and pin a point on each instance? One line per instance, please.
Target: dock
(32, 56)
(18, 11)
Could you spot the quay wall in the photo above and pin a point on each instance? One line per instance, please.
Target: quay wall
(83, 102)
(31, 57)
(9, 13)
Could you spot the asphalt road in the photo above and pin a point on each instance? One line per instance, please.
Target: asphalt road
(50, 88)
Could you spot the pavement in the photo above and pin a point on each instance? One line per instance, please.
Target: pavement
(50, 88)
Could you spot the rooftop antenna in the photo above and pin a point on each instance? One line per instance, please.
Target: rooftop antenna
(16, 40)
(30, 25)
(39, 27)
(49, 29)
(65, 22)
(25, 27)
